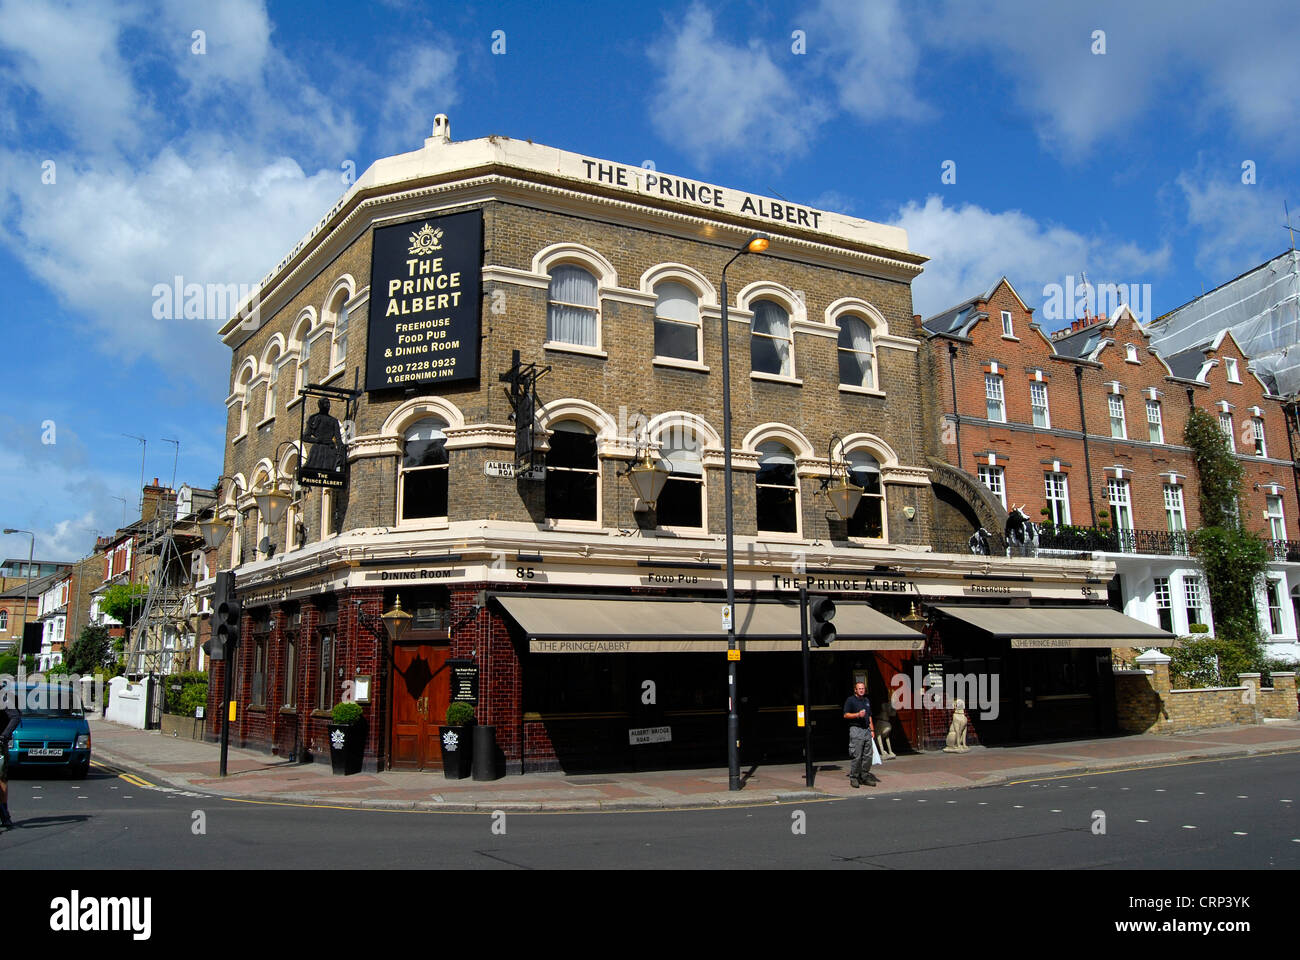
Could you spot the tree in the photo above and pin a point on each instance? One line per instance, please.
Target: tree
(91, 650)
(122, 600)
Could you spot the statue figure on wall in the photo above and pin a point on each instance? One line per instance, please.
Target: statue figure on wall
(326, 439)
(885, 729)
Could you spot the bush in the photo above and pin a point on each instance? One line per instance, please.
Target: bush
(1198, 628)
(185, 691)
(1215, 661)
(460, 714)
(347, 712)
(58, 670)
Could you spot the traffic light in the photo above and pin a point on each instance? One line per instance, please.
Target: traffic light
(821, 610)
(225, 623)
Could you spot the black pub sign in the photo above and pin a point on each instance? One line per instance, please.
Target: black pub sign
(464, 680)
(425, 281)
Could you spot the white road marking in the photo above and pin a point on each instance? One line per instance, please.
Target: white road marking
(1160, 789)
(1188, 826)
(1056, 811)
(950, 801)
(1242, 796)
(1144, 821)
(1017, 806)
(1200, 793)
(1239, 833)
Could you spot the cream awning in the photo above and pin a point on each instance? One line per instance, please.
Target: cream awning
(1044, 627)
(633, 625)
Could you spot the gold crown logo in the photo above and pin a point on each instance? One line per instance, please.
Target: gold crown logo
(426, 240)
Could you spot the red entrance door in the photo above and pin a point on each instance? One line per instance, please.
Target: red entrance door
(421, 695)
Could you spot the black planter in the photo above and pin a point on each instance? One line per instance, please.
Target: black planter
(347, 747)
(457, 744)
(485, 752)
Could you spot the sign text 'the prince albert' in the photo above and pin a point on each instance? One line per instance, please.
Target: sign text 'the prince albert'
(425, 279)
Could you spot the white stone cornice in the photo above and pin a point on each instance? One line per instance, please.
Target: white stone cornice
(374, 445)
(481, 435)
(891, 342)
(915, 476)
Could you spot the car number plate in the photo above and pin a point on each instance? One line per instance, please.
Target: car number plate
(45, 752)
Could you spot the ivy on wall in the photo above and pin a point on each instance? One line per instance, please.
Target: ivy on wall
(1234, 559)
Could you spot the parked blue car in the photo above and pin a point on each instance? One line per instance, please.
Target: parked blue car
(54, 734)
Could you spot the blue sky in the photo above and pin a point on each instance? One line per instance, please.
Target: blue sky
(1164, 160)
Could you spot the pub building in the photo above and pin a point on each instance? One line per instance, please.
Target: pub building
(487, 387)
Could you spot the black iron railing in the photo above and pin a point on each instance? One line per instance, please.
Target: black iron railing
(1285, 550)
(1083, 540)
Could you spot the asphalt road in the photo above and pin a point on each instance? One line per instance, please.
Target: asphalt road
(1225, 814)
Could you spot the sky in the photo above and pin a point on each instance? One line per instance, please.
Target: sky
(1148, 144)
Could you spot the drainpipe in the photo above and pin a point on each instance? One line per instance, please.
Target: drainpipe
(952, 378)
(1087, 460)
(1291, 410)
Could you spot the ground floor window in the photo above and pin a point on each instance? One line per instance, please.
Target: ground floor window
(1164, 604)
(325, 673)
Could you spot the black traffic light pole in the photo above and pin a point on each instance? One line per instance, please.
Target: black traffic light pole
(225, 709)
(807, 687)
(223, 645)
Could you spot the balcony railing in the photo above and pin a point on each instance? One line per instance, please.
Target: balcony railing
(1285, 550)
(1088, 540)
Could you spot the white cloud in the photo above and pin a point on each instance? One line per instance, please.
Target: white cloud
(971, 247)
(715, 97)
(102, 237)
(67, 55)
(422, 85)
(1210, 67)
(868, 54)
(1238, 225)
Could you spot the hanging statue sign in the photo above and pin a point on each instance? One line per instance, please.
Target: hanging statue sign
(327, 461)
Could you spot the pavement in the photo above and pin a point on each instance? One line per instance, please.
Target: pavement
(253, 776)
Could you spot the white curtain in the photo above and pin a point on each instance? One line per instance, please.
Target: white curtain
(855, 336)
(772, 320)
(571, 316)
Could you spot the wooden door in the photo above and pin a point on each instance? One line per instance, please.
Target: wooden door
(421, 695)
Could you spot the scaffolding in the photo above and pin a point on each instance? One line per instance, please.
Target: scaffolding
(160, 637)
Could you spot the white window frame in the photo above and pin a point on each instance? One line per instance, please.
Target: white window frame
(1038, 391)
(1119, 495)
(1058, 506)
(403, 471)
(1257, 435)
(1225, 425)
(1275, 515)
(1164, 600)
(995, 398)
(788, 371)
(1008, 326)
(874, 384)
(1192, 591)
(1118, 422)
(1175, 513)
(1155, 425)
(1276, 617)
(586, 307)
(995, 478)
(797, 533)
(1230, 366)
(674, 321)
(1131, 353)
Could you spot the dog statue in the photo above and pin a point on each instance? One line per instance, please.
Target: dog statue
(884, 727)
(956, 742)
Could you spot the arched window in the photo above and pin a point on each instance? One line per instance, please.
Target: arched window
(274, 363)
(337, 310)
(572, 473)
(4, 619)
(869, 519)
(677, 322)
(424, 471)
(857, 355)
(777, 489)
(771, 349)
(242, 389)
(304, 366)
(681, 502)
(572, 311)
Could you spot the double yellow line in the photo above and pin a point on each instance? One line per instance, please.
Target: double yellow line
(130, 778)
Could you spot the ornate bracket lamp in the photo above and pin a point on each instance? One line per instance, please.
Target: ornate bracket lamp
(844, 496)
(646, 473)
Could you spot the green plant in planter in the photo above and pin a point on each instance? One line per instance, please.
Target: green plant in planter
(347, 712)
(1198, 628)
(459, 715)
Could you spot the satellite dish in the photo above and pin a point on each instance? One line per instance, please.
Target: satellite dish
(267, 547)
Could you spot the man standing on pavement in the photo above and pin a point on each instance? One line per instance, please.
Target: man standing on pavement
(10, 717)
(857, 711)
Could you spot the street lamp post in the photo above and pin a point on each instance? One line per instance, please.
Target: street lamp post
(755, 244)
(27, 588)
